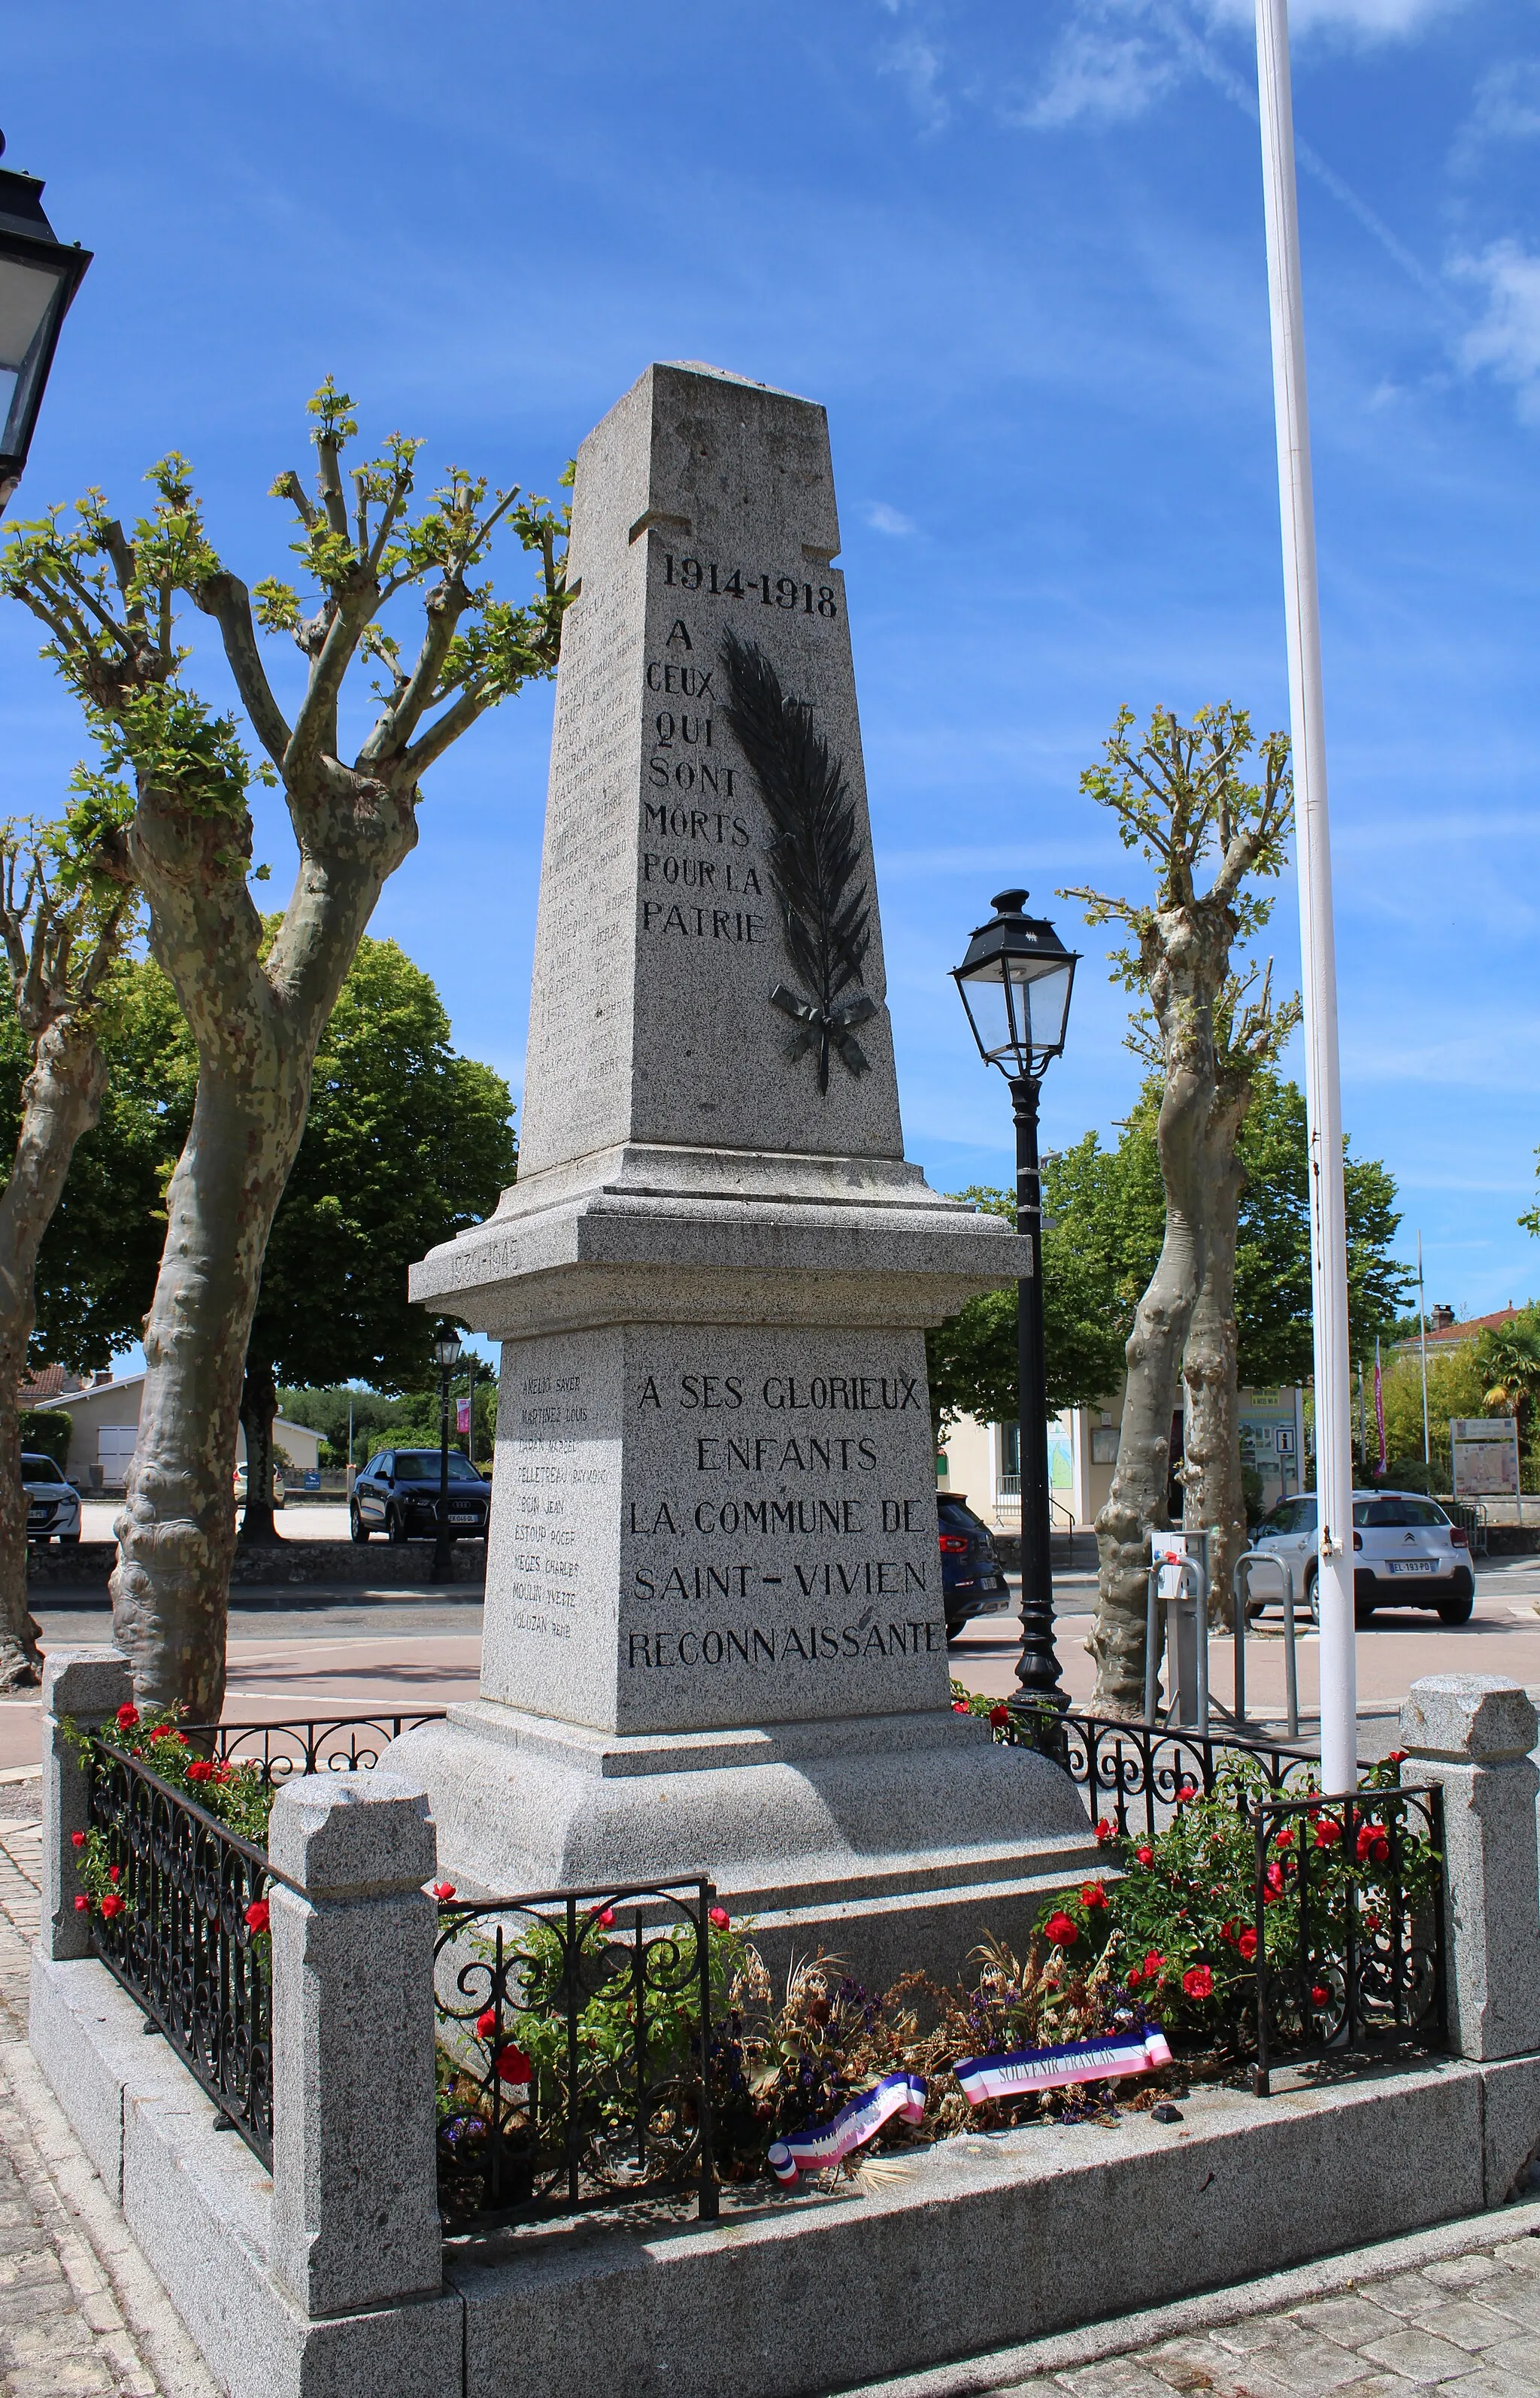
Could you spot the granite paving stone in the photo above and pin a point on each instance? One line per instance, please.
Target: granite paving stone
(1418, 2355)
(1463, 2272)
(1409, 2294)
(1467, 2322)
(1491, 2381)
(1349, 2320)
(1517, 2295)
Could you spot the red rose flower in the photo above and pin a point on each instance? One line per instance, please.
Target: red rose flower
(999, 1715)
(1373, 1848)
(486, 2024)
(719, 1920)
(1104, 1831)
(113, 1872)
(512, 2065)
(127, 1716)
(1154, 1965)
(83, 1905)
(960, 1707)
(1187, 1790)
(1328, 1832)
(257, 1914)
(1134, 1976)
(1398, 1757)
(77, 1839)
(164, 1731)
(1285, 1838)
(1062, 1929)
(222, 1773)
(1246, 1942)
(200, 1769)
(1319, 1995)
(1092, 1895)
(1146, 1856)
(1371, 1921)
(443, 1889)
(113, 1905)
(1198, 1982)
(604, 1917)
(1272, 1883)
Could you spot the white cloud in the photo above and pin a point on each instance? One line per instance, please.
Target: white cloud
(916, 63)
(1373, 20)
(882, 519)
(1098, 75)
(1507, 339)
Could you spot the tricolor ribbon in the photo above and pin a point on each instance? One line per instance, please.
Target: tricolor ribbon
(896, 2094)
(1024, 2070)
(837, 1024)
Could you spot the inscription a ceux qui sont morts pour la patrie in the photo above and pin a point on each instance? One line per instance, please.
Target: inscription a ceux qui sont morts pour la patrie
(714, 1634)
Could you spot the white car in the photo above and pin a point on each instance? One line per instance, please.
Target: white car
(1406, 1553)
(53, 1505)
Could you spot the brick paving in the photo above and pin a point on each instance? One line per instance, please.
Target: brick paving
(80, 2310)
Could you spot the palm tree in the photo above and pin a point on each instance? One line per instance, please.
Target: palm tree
(1510, 1361)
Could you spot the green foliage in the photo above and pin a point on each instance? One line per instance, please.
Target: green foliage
(235, 1795)
(1105, 1219)
(406, 1144)
(1180, 796)
(1507, 1359)
(1178, 1929)
(97, 1266)
(45, 1432)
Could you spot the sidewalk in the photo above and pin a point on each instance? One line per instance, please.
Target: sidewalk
(80, 2310)
(1456, 2308)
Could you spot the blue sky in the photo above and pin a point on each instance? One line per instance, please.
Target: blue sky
(1018, 253)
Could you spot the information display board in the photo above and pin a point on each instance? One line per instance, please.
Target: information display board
(1484, 1456)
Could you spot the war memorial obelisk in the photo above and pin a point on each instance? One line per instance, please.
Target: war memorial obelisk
(714, 1634)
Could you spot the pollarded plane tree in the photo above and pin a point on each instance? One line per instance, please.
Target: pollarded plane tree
(67, 907)
(1180, 799)
(256, 1009)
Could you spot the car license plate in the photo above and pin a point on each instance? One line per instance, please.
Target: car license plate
(463, 1516)
(1411, 1564)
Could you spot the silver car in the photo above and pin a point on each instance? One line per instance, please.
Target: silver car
(1406, 1553)
(53, 1505)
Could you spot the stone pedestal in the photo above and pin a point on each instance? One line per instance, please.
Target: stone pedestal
(715, 1634)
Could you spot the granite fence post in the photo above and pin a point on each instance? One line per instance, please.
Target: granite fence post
(87, 1685)
(1473, 1734)
(355, 2205)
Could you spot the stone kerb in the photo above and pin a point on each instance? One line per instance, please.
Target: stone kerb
(88, 1686)
(355, 2212)
(1473, 1734)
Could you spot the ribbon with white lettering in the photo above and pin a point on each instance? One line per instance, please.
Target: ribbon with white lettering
(896, 2094)
(1026, 2069)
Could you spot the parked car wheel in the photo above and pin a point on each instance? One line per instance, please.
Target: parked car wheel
(1312, 1595)
(1457, 1609)
(395, 1529)
(357, 1529)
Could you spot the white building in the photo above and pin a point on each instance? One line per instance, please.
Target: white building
(982, 1462)
(104, 1430)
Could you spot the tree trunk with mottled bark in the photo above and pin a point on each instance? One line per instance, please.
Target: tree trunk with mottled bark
(259, 1408)
(61, 1100)
(1213, 1497)
(1137, 1504)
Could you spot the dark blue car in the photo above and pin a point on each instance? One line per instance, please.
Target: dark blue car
(971, 1581)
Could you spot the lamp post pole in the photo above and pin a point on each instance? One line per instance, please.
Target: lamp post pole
(1339, 1724)
(447, 1355)
(1038, 1666)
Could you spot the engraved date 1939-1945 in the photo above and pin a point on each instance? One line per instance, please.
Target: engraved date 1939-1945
(771, 590)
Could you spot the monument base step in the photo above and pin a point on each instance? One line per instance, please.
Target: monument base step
(892, 1841)
(958, 2250)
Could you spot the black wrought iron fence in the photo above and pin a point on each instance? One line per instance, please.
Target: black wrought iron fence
(574, 2031)
(183, 1929)
(1133, 1774)
(1349, 1926)
(315, 1745)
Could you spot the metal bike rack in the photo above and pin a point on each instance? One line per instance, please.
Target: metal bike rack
(1248, 1564)
(1186, 1643)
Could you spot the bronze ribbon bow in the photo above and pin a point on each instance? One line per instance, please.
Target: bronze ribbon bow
(834, 1024)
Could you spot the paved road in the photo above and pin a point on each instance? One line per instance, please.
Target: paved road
(1503, 1636)
(320, 1652)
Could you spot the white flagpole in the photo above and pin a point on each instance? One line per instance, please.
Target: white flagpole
(1339, 1724)
(1421, 1336)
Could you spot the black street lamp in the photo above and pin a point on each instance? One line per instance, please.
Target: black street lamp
(1015, 983)
(39, 276)
(446, 1349)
